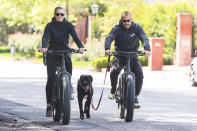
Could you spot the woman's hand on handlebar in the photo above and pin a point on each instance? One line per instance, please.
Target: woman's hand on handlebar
(108, 52)
(43, 50)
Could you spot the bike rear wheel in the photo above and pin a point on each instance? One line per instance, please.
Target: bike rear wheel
(56, 111)
(66, 99)
(129, 97)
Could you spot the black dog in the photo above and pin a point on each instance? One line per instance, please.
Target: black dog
(84, 90)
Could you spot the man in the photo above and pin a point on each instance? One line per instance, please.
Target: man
(126, 35)
(57, 35)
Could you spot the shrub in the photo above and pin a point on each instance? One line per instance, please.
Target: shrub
(4, 49)
(101, 62)
(38, 55)
(95, 49)
(167, 59)
(25, 44)
(143, 60)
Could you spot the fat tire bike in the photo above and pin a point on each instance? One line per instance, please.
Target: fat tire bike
(125, 92)
(61, 93)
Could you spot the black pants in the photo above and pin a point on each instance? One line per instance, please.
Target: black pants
(52, 61)
(136, 68)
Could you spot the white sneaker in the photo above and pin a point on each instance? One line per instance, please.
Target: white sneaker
(111, 96)
(136, 104)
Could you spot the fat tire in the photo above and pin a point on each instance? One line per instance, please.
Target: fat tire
(66, 99)
(130, 96)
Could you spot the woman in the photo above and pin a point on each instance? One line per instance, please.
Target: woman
(57, 35)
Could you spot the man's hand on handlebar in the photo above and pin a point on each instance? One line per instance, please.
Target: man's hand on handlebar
(147, 53)
(43, 50)
(108, 52)
(81, 50)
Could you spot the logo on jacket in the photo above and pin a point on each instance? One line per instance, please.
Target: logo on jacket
(132, 35)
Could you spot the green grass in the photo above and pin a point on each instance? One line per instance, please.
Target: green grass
(8, 55)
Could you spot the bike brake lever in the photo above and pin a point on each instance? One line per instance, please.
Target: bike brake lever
(76, 51)
(140, 53)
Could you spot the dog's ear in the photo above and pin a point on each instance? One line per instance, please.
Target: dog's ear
(81, 77)
(90, 78)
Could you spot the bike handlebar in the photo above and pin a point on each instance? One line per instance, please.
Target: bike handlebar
(123, 53)
(62, 51)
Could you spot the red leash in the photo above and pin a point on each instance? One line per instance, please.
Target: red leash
(107, 69)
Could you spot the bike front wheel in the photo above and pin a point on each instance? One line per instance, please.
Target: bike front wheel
(129, 97)
(66, 99)
(56, 103)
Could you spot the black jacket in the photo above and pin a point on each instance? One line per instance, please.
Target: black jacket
(127, 40)
(57, 35)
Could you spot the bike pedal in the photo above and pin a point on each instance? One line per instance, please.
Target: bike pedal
(72, 97)
(137, 107)
(117, 99)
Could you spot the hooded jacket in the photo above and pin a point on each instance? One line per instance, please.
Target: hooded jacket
(57, 35)
(127, 39)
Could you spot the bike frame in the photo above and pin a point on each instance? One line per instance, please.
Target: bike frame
(59, 74)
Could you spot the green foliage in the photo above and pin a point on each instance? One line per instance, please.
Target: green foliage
(94, 49)
(4, 49)
(3, 32)
(167, 59)
(32, 12)
(115, 9)
(38, 55)
(163, 23)
(158, 19)
(25, 44)
(96, 32)
(81, 6)
(100, 62)
(143, 60)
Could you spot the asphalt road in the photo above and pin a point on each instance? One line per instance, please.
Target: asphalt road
(168, 102)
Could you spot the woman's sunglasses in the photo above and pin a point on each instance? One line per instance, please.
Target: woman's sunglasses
(59, 14)
(124, 21)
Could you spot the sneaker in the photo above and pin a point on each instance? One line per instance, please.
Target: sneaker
(49, 111)
(111, 96)
(136, 104)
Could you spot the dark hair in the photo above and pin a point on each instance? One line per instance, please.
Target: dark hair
(125, 13)
(59, 7)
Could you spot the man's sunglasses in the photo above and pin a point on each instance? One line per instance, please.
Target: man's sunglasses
(59, 14)
(124, 21)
